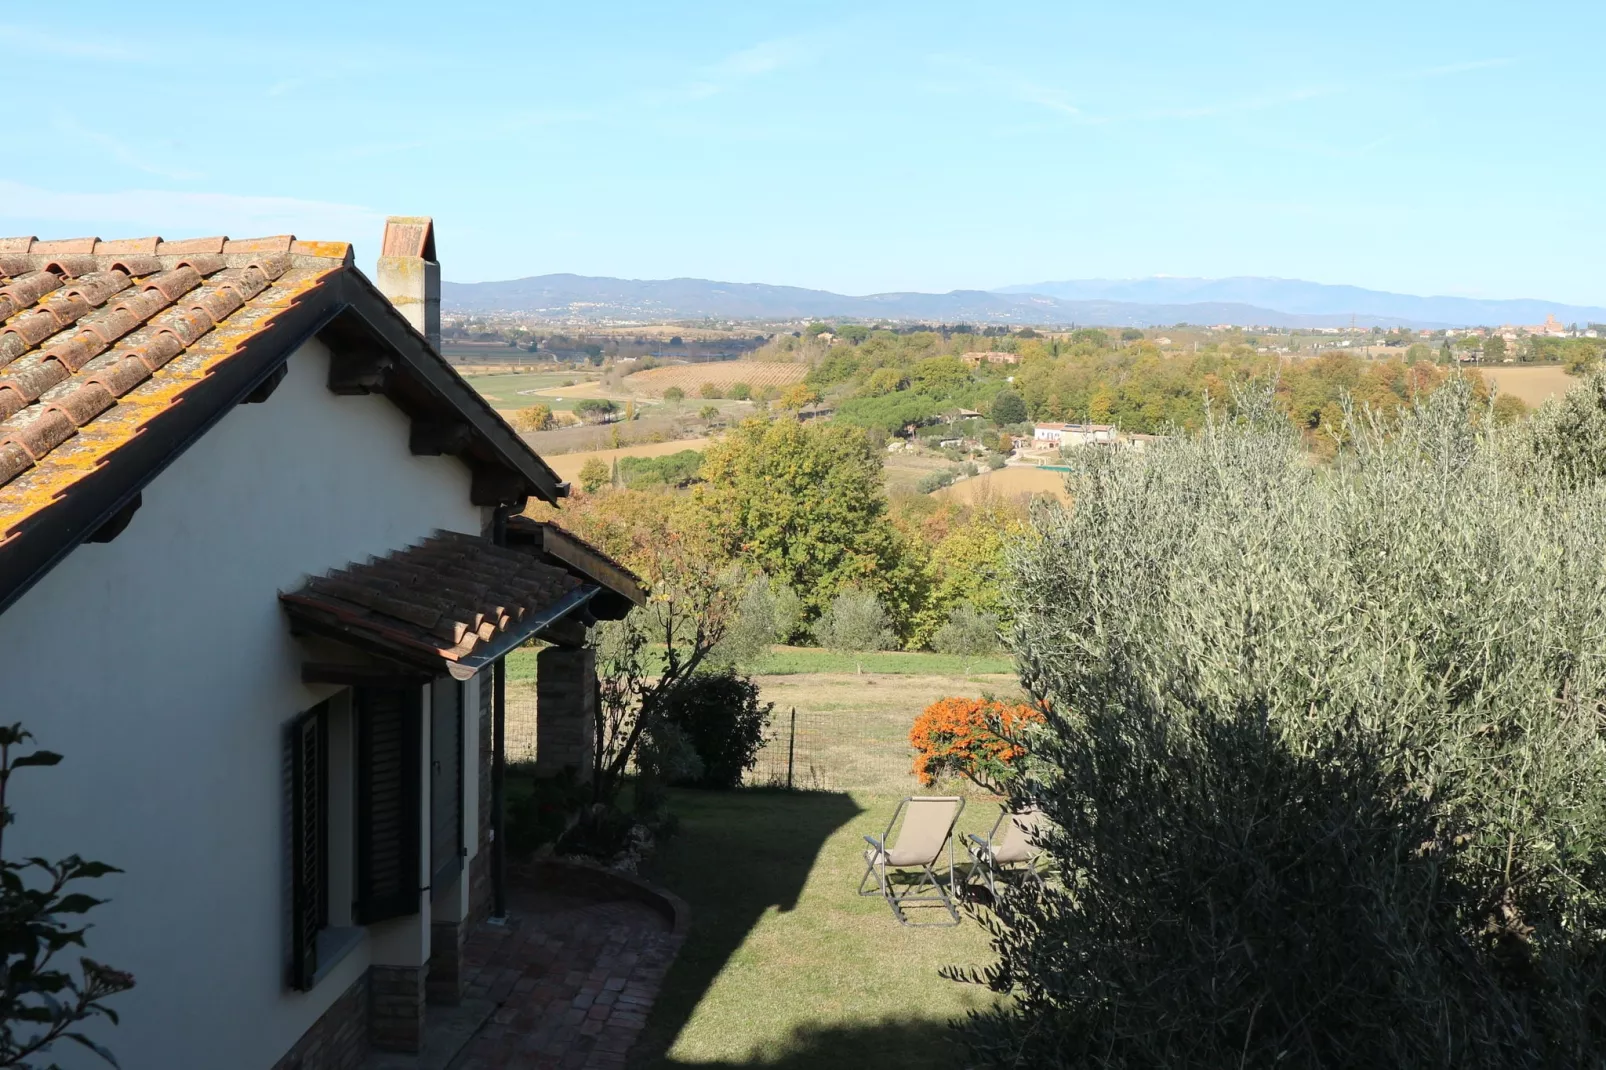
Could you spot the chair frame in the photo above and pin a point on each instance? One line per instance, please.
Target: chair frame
(879, 867)
(980, 849)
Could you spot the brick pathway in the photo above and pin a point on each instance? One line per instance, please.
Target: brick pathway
(574, 979)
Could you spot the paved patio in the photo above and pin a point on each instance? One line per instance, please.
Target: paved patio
(574, 979)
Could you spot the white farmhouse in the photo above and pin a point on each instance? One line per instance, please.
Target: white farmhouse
(256, 580)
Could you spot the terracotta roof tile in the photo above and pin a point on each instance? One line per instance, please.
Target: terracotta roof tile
(450, 597)
(64, 247)
(128, 247)
(97, 338)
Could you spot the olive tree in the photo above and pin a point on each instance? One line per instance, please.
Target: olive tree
(854, 623)
(1324, 756)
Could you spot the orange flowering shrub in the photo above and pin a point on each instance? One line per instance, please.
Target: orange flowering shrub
(972, 737)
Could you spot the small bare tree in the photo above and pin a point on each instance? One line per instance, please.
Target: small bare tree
(645, 658)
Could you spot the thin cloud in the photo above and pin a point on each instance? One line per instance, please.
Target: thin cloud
(30, 40)
(1449, 69)
(761, 59)
(172, 212)
(122, 152)
(766, 57)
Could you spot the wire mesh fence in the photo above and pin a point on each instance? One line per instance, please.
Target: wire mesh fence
(834, 750)
(521, 733)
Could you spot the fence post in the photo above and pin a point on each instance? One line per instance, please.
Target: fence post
(791, 748)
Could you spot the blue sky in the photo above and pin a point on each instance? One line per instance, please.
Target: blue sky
(859, 147)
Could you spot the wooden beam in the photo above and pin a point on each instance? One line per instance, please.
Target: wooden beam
(496, 485)
(432, 438)
(581, 557)
(565, 632)
(359, 369)
(324, 672)
(264, 390)
(118, 521)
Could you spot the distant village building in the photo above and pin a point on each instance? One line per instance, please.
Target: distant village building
(1073, 434)
(975, 360)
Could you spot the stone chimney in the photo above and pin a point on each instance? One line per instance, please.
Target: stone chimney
(409, 276)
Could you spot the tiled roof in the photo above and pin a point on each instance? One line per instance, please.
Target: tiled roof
(99, 338)
(116, 357)
(454, 598)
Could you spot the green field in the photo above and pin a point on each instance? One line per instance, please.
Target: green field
(785, 966)
(790, 661)
(803, 661)
(505, 391)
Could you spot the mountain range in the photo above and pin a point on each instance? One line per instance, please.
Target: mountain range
(1148, 302)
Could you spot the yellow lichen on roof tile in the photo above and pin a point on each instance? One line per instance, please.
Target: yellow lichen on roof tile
(270, 275)
(330, 250)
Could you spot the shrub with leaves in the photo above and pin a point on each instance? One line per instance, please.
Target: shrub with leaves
(40, 1002)
(976, 738)
(1325, 756)
(720, 716)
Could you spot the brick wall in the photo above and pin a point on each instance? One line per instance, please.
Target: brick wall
(444, 985)
(566, 696)
(339, 1039)
(396, 1007)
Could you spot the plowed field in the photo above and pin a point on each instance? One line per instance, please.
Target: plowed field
(690, 377)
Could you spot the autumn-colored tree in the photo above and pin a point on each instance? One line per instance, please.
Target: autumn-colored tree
(978, 739)
(594, 475)
(534, 418)
(797, 396)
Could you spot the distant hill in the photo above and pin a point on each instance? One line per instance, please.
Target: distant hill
(1294, 296)
(1108, 303)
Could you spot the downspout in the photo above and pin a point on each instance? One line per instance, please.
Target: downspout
(499, 755)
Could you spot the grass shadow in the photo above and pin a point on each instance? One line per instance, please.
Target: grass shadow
(883, 1043)
(737, 856)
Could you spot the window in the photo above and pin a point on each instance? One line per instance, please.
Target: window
(353, 781)
(321, 788)
(309, 852)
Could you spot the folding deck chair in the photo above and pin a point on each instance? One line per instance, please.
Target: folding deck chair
(928, 825)
(1011, 856)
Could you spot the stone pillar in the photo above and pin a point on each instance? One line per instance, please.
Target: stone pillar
(444, 986)
(396, 1007)
(566, 709)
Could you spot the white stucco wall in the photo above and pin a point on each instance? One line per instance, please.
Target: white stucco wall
(162, 667)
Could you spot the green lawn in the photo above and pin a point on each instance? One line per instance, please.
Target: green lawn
(785, 966)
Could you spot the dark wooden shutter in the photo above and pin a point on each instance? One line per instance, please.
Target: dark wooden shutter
(309, 862)
(389, 772)
(446, 782)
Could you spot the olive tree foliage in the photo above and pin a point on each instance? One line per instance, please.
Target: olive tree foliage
(968, 632)
(1324, 754)
(855, 623)
(752, 628)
